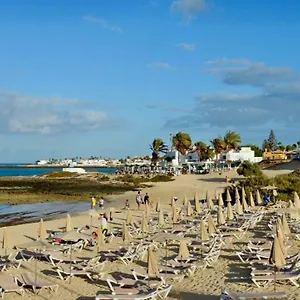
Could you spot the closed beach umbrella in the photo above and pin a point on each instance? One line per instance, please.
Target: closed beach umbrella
(174, 215)
(129, 219)
(125, 233)
(42, 230)
(293, 214)
(183, 250)
(211, 224)
(144, 223)
(5, 239)
(239, 208)
(279, 225)
(243, 193)
(210, 203)
(296, 200)
(173, 202)
(220, 217)
(221, 201)
(230, 215)
(203, 231)
(252, 203)
(281, 238)
(197, 204)
(285, 225)
(157, 205)
(228, 197)
(152, 269)
(185, 200)
(189, 209)
(69, 225)
(161, 219)
(236, 195)
(258, 198)
(276, 256)
(244, 203)
(206, 196)
(100, 238)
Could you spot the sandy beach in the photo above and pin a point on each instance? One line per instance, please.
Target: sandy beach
(205, 284)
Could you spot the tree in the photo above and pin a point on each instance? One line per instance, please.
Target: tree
(280, 146)
(272, 142)
(218, 144)
(290, 147)
(298, 144)
(248, 169)
(265, 146)
(157, 147)
(204, 152)
(232, 140)
(258, 152)
(182, 142)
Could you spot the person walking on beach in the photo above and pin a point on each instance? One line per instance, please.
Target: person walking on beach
(93, 202)
(103, 223)
(146, 199)
(138, 199)
(101, 202)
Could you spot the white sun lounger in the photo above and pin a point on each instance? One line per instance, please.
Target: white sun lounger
(230, 295)
(8, 284)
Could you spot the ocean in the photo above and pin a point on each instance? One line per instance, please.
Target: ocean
(14, 170)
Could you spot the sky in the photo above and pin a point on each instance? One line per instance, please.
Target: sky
(106, 77)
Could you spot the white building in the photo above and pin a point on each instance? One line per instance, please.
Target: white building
(244, 154)
(42, 162)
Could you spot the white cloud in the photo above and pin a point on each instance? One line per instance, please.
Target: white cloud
(159, 65)
(188, 8)
(104, 23)
(185, 46)
(46, 115)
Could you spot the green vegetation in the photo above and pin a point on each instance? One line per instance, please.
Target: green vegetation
(182, 142)
(248, 169)
(59, 174)
(158, 146)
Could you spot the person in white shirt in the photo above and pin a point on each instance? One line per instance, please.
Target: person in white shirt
(83, 228)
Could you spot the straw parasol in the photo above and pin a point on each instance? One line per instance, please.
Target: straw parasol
(220, 217)
(211, 224)
(285, 225)
(185, 200)
(173, 202)
(174, 214)
(276, 256)
(42, 230)
(129, 219)
(220, 200)
(239, 208)
(244, 202)
(197, 204)
(294, 214)
(157, 205)
(252, 203)
(100, 238)
(144, 223)
(228, 197)
(258, 198)
(152, 269)
(210, 203)
(236, 195)
(281, 238)
(183, 251)
(125, 233)
(189, 209)
(5, 239)
(203, 231)
(243, 193)
(69, 225)
(38, 245)
(230, 215)
(161, 219)
(296, 200)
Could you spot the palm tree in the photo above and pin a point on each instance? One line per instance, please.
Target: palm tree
(218, 144)
(232, 140)
(157, 146)
(204, 152)
(182, 142)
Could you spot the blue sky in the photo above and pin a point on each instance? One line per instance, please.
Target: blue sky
(104, 77)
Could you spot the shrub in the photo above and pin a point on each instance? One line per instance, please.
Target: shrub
(248, 169)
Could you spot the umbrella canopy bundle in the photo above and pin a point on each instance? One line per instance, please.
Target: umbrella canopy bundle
(189, 209)
(197, 204)
(294, 214)
(5, 239)
(144, 223)
(276, 256)
(220, 217)
(220, 200)
(228, 197)
(244, 202)
(161, 219)
(185, 200)
(100, 238)
(281, 238)
(203, 231)
(210, 203)
(174, 215)
(243, 193)
(157, 205)
(258, 198)
(42, 230)
(296, 200)
(230, 215)
(183, 251)
(252, 203)
(125, 233)
(129, 218)
(236, 195)
(211, 225)
(173, 202)
(239, 208)
(69, 225)
(152, 269)
(285, 225)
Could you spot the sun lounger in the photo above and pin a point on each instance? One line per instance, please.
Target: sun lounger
(9, 284)
(230, 295)
(56, 258)
(64, 272)
(36, 283)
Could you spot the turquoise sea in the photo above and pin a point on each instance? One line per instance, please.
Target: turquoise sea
(21, 170)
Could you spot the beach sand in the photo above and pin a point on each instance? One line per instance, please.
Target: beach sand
(205, 284)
